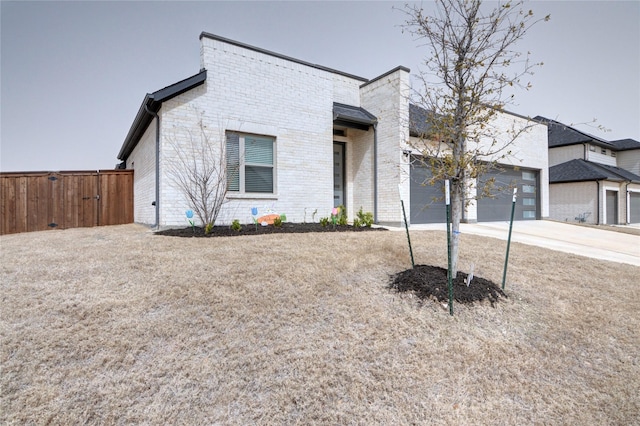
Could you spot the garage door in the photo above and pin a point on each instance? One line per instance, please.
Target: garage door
(634, 207)
(427, 202)
(498, 207)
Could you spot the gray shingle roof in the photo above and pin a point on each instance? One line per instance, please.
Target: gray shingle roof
(563, 135)
(349, 115)
(580, 170)
(626, 144)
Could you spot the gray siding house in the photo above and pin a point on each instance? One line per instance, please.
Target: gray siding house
(592, 180)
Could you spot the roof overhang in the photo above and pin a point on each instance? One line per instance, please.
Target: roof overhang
(151, 105)
(352, 117)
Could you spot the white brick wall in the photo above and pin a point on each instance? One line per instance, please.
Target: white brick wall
(253, 92)
(387, 98)
(143, 161)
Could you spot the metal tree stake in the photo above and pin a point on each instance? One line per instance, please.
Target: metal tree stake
(506, 259)
(449, 278)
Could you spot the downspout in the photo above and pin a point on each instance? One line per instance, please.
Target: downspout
(157, 201)
(627, 206)
(598, 204)
(375, 172)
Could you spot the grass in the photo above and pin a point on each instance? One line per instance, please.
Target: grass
(115, 325)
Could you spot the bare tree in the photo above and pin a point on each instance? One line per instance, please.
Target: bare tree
(201, 171)
(470, 67)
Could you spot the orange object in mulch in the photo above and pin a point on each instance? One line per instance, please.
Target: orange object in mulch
(268, 219)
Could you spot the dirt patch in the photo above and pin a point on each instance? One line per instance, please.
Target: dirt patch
(286, 228)
(430, 283)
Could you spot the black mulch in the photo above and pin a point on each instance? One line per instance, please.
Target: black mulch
(286, 228)
(430, 282)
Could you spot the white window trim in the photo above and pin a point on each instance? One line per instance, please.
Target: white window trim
(241, 193)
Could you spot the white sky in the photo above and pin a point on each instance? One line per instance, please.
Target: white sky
(73, 74)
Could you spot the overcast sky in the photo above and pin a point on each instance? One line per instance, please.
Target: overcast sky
(73, 74)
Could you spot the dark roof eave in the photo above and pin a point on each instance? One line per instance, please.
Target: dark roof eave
(153, 102)
(353, 116)
(598, 179)
(138, 127)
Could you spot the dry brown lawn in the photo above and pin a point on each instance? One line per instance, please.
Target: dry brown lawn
(115, 325)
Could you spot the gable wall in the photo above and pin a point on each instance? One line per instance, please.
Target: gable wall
(562, 154)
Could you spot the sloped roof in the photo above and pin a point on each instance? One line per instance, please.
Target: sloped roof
(580, 170)
(152, 102)
(626, 144)
(418, 121)
(352, 116)
(564, 135)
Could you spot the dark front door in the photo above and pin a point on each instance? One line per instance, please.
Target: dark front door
(612, 207)
(338, 174)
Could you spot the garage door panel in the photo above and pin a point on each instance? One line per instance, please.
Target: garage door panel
(634, 206)
(427, 202)
(497, 207)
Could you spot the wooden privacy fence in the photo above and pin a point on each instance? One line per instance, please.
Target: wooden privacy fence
(37, 201)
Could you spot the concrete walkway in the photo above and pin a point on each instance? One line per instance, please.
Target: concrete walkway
(584, 241)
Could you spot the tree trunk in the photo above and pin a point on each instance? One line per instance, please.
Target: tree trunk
(456, 216)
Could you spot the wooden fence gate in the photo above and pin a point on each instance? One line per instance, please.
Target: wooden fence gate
(37, 201)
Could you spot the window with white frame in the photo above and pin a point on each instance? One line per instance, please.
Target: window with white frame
(251, 166)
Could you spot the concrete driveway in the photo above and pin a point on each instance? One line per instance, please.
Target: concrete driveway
(568, 238)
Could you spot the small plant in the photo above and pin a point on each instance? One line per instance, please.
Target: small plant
(324, 221)
(208, 228)
(356, 223)
(365, 219)
(235, 225)
(277, 222)
(342, 216)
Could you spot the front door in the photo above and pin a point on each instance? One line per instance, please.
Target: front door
(338, 174)
(612, 207)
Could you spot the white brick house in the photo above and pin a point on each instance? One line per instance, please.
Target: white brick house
(324, 138)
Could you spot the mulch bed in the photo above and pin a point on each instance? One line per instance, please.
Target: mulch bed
(430, 282)
(286, 228)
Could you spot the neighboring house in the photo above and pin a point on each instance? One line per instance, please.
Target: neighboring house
(592, 180)
(306, 137)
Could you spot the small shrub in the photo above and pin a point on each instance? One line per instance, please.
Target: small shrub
(235, 225)
(208, 228)
(324, 221)
(356, 223)
(365, 219)
(277, 222)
